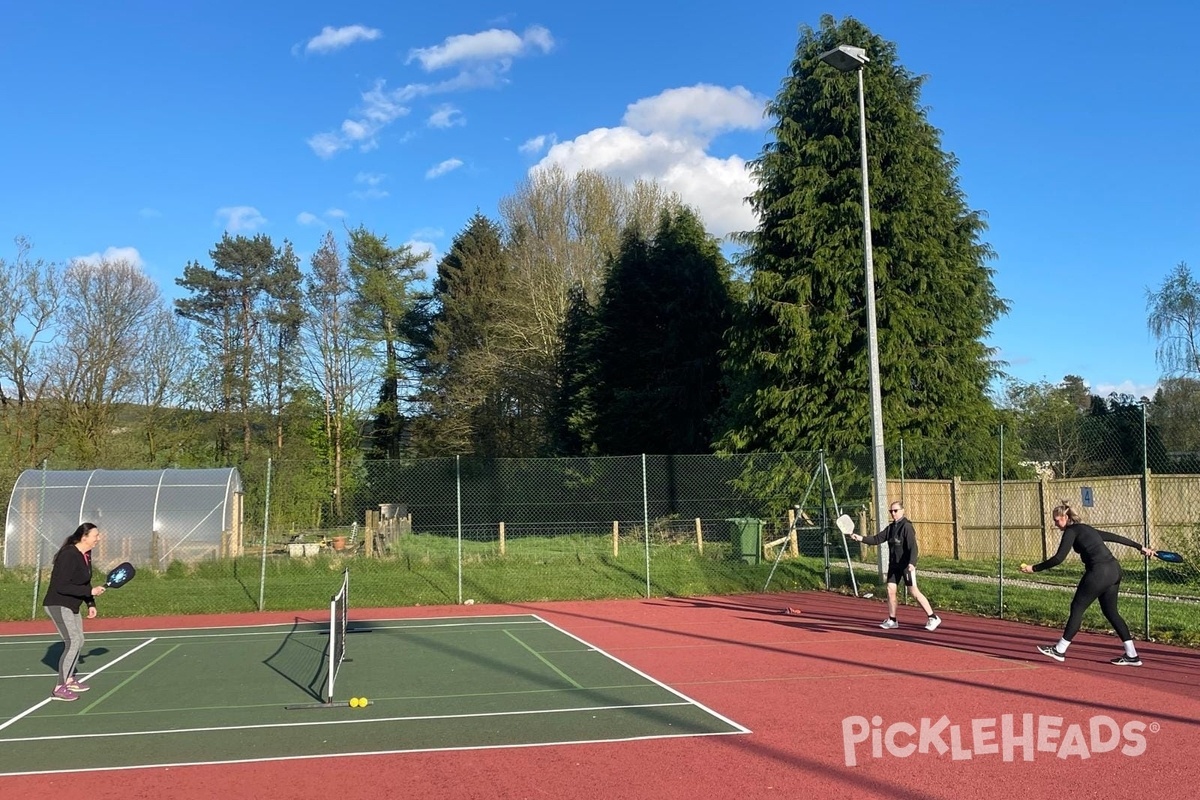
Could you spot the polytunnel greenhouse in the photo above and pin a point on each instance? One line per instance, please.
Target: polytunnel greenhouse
(147, 517)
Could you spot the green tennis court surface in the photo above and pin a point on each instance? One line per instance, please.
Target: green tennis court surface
(193, 696)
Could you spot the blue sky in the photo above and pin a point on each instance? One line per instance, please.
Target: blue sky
(144, 130)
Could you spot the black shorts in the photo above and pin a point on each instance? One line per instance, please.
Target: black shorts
(899, 574)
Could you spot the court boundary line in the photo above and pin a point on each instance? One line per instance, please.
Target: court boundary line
(363, 753)
(89, 676)
(741, 728)
(317, 724)
(684, 701)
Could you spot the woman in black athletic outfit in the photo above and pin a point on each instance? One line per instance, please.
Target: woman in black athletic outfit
(1101, 581)
(70, 588)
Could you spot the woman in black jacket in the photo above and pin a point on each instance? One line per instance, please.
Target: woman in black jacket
(71, 587)
(1101, 581)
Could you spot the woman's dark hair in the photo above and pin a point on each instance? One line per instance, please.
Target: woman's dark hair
(78, 535)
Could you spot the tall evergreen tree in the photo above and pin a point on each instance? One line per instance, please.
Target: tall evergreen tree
(468, 401)
(572, 415)
(798, 356)
(383, 277)
(660, 327)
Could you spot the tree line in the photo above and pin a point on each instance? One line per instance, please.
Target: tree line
(589, 317)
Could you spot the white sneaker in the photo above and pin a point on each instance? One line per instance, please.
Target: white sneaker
(888, 624)
(932, 624)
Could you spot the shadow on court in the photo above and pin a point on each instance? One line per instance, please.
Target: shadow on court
(303, 657)
(55, 651)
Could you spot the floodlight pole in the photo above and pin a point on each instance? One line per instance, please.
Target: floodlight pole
(846, 58)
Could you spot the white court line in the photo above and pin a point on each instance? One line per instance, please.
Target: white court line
(467, 621)
(90, 675)
(637, 671)
(268, 725)
(359, 754)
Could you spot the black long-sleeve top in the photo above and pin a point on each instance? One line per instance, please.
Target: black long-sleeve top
(901, 537)
(70, 580)
(1089, 543)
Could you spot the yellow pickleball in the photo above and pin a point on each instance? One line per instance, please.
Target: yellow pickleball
(354, 702)
(362, 702)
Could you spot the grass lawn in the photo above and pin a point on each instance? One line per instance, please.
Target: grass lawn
(424, 570)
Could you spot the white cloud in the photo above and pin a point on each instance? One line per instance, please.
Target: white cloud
(665, 138)
(241, 218)
(1124, 387)
(419, 247)
(306, 218)
(370, 178)
(378, 110)
(428, 233)
(449, 165)
(700, 111)
(129, 255)
(537, 144)
(326, 144)
(336, 213)
(331, 39)
(495, 45)
(446, 116)
(482, 59)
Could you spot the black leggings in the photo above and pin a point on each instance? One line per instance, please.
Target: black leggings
(1101, 583)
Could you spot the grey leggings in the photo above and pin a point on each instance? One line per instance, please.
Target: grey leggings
(70, 628)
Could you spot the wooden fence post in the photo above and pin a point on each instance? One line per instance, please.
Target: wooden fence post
(699, 537)
(955, 511)
(502, 537)
(616, 536)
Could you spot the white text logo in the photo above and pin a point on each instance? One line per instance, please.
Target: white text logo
(1010, 736)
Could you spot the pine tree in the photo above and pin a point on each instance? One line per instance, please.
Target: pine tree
(798, 356)
(383, 277)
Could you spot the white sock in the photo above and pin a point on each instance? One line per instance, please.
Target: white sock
(1130, 650)
(1062, 645)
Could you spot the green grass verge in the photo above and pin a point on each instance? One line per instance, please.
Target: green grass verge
(423, 570)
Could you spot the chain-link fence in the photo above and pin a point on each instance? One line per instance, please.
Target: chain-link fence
(1116, 470)
(457, 530)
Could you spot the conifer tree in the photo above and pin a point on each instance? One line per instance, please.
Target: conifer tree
(659, 332)
(798, 356)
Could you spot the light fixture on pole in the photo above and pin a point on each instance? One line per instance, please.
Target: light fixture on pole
(846, 58)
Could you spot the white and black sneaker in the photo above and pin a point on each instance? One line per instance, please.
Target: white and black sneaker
(1127, 661)
(889, 624)
(1051, 651)
(933, 622)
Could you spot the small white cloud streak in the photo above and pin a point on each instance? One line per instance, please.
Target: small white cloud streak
(446, 116)
(532, 147)
(449, 165)
(241, 218)
(331, 39)
(491, 45)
